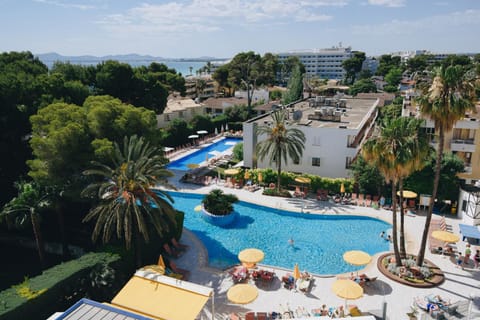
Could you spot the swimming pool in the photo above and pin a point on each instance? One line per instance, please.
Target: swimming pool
(200, 155)
(319, 240)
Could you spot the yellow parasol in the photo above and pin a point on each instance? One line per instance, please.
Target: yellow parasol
(247, 175)
(198, 208)
(407, 194)
(357, 258)
(160, 262)
(445, 236)
(260, 177)
(251, 256)
(231, 172)
(347, 289)
(296, 272)
(242, 293)
(303, 180)
(155, 268)
(342, 188)
(193, 165)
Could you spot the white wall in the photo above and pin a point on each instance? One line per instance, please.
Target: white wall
(258, 95)
(469, 207)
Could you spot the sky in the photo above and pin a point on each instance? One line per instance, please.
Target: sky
(223, 28)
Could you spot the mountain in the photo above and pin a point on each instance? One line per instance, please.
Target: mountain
(53, 56)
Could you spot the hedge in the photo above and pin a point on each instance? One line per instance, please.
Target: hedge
(41, 296)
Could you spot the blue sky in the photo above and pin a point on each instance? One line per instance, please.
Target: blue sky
(222, 28)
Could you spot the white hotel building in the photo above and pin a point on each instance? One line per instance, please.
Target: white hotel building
(321, 63)
(335, 130)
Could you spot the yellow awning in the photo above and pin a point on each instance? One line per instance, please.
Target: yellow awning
(163, 298)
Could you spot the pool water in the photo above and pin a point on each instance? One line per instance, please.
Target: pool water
(200, 155)
(319, 240)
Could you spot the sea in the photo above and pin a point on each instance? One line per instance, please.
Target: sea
(182, 67)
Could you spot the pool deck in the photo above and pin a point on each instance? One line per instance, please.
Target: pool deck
(460, 284)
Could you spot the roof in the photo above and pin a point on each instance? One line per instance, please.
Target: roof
(384, 97)
(356, 112)
(224, 102)
(180, 104)
(161, 297)
(86, 309)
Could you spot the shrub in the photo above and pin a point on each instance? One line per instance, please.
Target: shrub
(218, 203)
(58, 287)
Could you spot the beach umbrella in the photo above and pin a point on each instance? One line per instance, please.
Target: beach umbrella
(247, 175)
(260, 177)
(296, 272)
(198, 208)
(251, 256)
(206, 157)
(445, 236)
(202, 132)
(193, 136)
(303, 180)
(242, 293)
(222, 128)
(407, 194)
(342, 188)
(226, 127)
(216, 131)
(357, 257)
(347, 289)
(155, 268)
(232, 172)
(193, 165)
(160, 262)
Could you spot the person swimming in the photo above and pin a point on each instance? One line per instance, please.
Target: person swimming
(291, 242)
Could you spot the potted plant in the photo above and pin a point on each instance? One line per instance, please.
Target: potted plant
(217, 207)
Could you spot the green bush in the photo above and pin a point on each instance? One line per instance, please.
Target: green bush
(57, 288)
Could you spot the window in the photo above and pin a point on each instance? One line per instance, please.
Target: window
(317, 141)
(315, 162)
(296, 161)
(348, 162)
(180, 114)
(167, 117)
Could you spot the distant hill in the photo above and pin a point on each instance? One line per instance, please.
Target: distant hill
(133, 57)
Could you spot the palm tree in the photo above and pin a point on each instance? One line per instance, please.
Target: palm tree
(448, 98)
(127, 204)
(281, 142)
(397, 151)
(27, 206)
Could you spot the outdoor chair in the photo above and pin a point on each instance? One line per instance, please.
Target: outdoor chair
(250, 316)
(177, 245)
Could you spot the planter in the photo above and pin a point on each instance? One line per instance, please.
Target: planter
(220, 221)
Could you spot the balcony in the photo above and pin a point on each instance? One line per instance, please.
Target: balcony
(463, 145)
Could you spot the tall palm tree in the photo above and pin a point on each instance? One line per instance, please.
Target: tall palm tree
(448, 98)
(127, 204)
(396, 152)
(281, 142)
(26, 207)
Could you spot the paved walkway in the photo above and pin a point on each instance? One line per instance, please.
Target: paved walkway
(460, 284)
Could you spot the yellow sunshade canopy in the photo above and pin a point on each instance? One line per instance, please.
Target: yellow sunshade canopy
(247, 175)
(357, 258)
(242, 293)
(342, 188)
(296, 271)
(251, 255)
(162, 300)
(407, 194)
(347, 289)
(260, 177)
(445, 236)
(303, 180)
(231, 172)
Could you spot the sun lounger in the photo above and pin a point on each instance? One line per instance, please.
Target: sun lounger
(250, 316)
(239, 274)
(262, 316)
(171, 251)
(177, 245)
(304, 284)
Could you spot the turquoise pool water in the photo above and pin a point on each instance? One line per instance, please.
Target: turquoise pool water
(200, 155)
(319, 240)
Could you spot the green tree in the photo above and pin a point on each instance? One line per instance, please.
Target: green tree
(353, 66)
(367, 177)
(218, 203)
(127, 205)
(115, 79)
(27, 206)
(238, 151)
(281, 143)
(417, 63)
(393, 77)
(387, 62)
(449, 97)
(396, 152)
(295, 87)
(362, 85)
